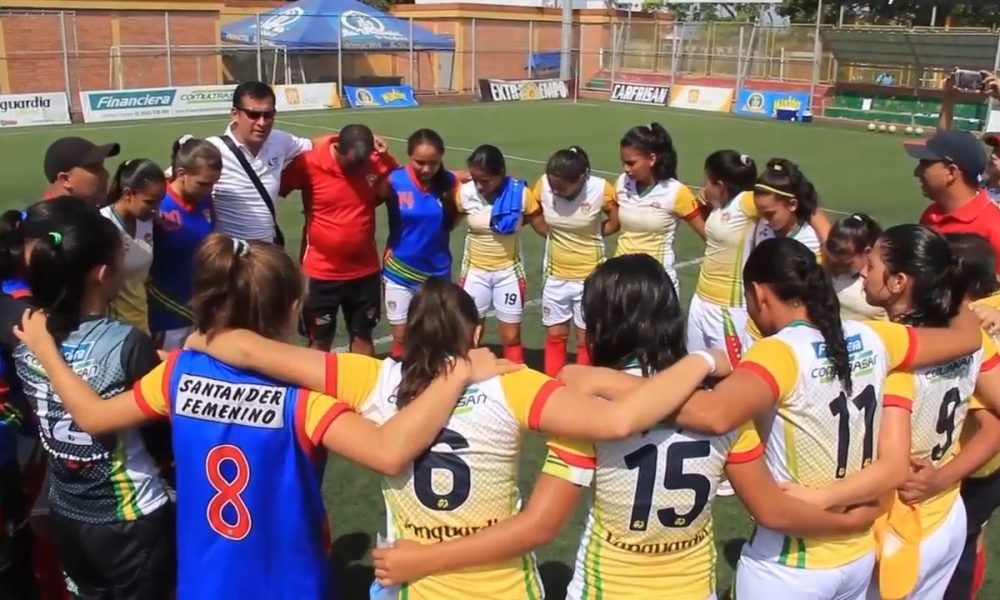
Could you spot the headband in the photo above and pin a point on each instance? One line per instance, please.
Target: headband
(775, 191)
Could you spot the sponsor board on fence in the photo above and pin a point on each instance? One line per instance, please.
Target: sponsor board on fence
(525, 90)
(765, 103)
(635, 93)
(154, 103)
(22, 110)
(306, 96)
(380, 97)
(700, 97)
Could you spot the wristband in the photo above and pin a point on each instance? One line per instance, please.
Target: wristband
(708, 358)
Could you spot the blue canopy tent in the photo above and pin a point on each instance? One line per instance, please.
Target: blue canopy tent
(341, 26)
(333, 24)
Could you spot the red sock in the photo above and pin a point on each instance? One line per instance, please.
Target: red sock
(980, 571)
(582, 355)
(555, 354)
(396, 351)
(514, 353)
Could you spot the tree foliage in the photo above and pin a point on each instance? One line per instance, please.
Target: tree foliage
(957, 13)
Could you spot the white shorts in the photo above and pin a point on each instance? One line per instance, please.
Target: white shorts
(502, 290)
(175, 338)
(397, 301)
(561, 301)
(762, 577)
(939, 555)
(705, 328)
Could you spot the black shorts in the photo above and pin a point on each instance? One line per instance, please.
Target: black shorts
(17, 580)
(360, 299)
(125, 560)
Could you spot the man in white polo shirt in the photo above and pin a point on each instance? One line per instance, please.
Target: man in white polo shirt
(245, 208)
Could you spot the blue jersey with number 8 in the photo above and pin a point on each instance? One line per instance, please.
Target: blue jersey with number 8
(250, 516)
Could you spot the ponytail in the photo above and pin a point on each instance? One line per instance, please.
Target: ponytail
(654, 139)
(823, 309)
(937, 288)
(134, 174)
(241, 284)
(784, 179)
(76, 241)
(793, 273)
(569, 164)
(737, 172)
(440, 324)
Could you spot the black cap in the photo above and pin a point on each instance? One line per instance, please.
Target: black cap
(959, 148)
(65, 154)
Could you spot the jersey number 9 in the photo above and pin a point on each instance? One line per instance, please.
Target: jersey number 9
(458, 471)
(674, 478)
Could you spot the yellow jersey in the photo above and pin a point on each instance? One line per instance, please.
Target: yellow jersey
(485, 249)
(649, 220)
(816, 432)
(720, 280)
(762, 231)
(575, 245)
(940, 396)
(649, 531)
(853, 305)
(970, 426)
(467, 479)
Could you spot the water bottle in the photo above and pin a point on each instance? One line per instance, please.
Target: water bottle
(377, 591)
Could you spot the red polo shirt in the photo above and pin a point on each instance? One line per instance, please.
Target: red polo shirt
(979, 215)
(339, 237)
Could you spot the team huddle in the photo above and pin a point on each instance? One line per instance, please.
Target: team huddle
(840, 379)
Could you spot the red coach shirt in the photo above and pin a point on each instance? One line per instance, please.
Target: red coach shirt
(339, 240)
(979, 215)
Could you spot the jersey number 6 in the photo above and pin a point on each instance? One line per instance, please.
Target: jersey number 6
(461, 475)
(674, 478)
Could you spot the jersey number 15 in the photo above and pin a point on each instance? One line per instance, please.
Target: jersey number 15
(674, 478)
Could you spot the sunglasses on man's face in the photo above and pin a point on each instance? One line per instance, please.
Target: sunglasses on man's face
(256, 115)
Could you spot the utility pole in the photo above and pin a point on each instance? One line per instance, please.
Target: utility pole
(566, 60)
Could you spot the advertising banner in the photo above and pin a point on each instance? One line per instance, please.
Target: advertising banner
(306, 96)
(526, 90)
(386, 96)
(700, 97)
(635, 93)
(156, 103)
(22, 110)
(765, 104)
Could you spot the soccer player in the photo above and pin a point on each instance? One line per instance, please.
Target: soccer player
(422, 201)
(787, 206)
(111, 518)
(813, 389)
(728, 192)
(574, 206)
(136, 190)
(910, 273)
(845, 254)
(339, 180)
(248, 447)
(980, 488)
(635, 323)
(12, 265)
(186, 219)
(651, 200)
(75, 167)
(496, 206)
